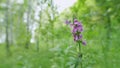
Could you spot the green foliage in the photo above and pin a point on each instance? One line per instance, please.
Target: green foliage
(100, 19)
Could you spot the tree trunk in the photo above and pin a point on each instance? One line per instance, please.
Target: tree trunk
(28, 24)
(7, 27)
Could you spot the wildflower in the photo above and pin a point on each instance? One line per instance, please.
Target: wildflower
(84, 42)
(67, 22)
(77, 37)
(77, 28)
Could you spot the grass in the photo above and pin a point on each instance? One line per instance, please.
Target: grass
(64, 53)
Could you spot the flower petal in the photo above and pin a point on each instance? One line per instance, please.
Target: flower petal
(84, 42)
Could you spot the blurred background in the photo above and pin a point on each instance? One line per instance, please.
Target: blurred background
(33, 33)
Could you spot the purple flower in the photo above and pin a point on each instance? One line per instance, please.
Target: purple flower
(78, 23)
(84, 42)
(80, 36)
(77, 37)
(67, 22)
(80, 29)
(77, 28)
(75, 20)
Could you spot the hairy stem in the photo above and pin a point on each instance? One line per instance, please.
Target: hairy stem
(79, 59)
(80, 55)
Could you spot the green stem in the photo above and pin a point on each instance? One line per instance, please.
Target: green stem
(80, 55)
(79, 47)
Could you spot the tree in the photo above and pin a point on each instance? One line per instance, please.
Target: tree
(28, 24)
(7, 26)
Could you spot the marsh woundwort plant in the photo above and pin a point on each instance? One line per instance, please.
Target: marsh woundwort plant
(77, 30)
